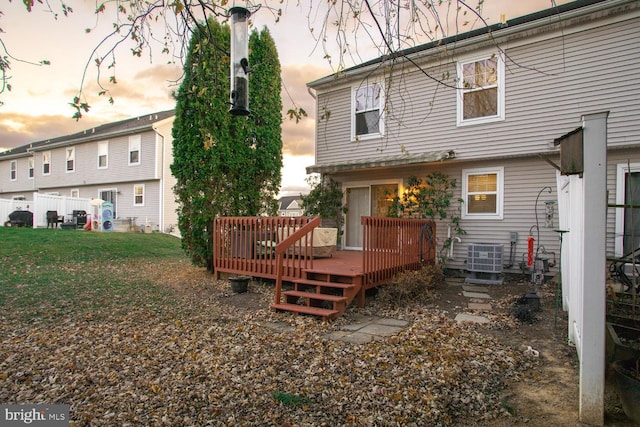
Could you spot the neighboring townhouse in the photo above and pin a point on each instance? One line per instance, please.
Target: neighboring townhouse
(290, 206)
(125, 163)
(484, 108)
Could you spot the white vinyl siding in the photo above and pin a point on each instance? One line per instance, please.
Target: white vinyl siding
(541, 103)
(482, 192)
(134, 150)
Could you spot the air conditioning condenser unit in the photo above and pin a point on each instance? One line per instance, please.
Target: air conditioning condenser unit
(484, 263)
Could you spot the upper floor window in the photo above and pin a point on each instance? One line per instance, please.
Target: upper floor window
(46, 163)
(481, 93)
(31, 167)
(138, 195)
(134, 150)
(482, 192)
(368, 103)
(71, 159)
(103, 154)
(13, 170)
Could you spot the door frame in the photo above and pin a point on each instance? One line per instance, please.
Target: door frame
(346, 185)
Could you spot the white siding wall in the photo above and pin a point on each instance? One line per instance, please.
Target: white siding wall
(550, 83)
(523, 180)
(22, 183)
(86, 168)
(165, 159)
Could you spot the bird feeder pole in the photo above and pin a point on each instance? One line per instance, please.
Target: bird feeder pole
(239, 61)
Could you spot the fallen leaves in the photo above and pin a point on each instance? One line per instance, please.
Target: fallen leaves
(192, 359)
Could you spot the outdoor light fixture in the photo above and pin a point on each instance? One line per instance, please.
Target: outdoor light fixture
(239, 62)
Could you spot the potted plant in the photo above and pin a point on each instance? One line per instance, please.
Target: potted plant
(239, 284)
(628, 386)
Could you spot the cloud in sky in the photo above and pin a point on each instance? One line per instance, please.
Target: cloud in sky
(37, 107)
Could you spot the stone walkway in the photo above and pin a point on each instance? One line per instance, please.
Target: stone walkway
(368, 328)
(479, 300)
(362, 330)
(365, 329)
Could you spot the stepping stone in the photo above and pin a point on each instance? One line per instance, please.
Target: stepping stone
(278, 326)
(471, 288)
(476, 295)
(463, 317)
(354, 338)
(480, 306)
(392, 322)
(380, 330)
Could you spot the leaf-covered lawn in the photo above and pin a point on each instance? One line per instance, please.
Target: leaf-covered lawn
(158, 342)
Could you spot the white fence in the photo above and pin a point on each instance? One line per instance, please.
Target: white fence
(582, 208)
(42, 203)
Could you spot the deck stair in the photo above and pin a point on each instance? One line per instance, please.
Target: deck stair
(321, 294)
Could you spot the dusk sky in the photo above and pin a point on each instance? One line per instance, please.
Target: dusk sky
(37, 106)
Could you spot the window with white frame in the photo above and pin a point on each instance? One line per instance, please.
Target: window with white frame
(13, 170)
(103, 154)
(482, 192)
(46, 163)
(134, 150)
(138, 195)
(75, 193)
(368, 105)
(71, 159)
(31, 167)
(481, 90)
(627, 225)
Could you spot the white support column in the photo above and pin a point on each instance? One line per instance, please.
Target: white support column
(593, 298)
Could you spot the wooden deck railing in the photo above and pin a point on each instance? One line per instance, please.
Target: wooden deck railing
(249, 245)
(302, 254)
(392, 245)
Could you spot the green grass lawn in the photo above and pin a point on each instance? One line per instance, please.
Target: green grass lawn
(48, 273)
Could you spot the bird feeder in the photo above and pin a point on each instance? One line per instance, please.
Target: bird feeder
(239, 62)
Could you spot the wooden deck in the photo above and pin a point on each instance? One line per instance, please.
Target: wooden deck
(279, 248)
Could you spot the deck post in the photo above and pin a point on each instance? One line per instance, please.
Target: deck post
(278, 290)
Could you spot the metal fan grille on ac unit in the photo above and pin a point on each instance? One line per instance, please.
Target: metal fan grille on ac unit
(484, 262)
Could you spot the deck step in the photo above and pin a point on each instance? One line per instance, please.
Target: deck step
(326, 284)
(315, 295)
(305, 309)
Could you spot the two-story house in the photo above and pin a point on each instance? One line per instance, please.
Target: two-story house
(125, 163)
(485, 107)
(290, 206)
